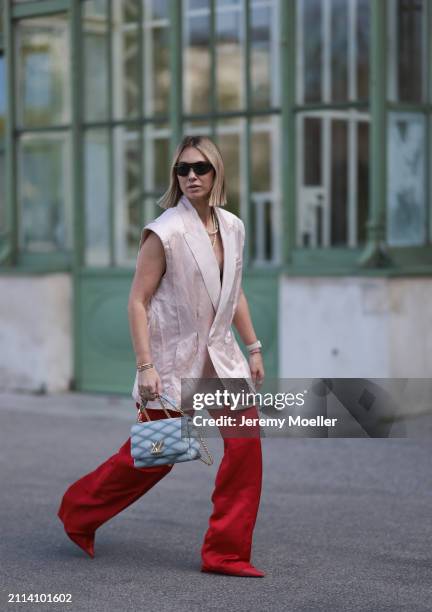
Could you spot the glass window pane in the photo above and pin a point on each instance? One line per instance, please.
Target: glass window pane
(128, 193)
(2, 99)
(410, 15)
(312, 43)
(197, 4)
(261, 158)
(261, 228)
(130, 69)
(333, 189)
(156, 64)
(2, 135)
(363, 48)
(44, 193)
(339, 183)
(129, 10)
(97, 198)
(229, 58)
(126, 58)
(311, 200)
(3, 220)
(228, 141)
(151, 211)
(157, 74)
(312, 151)
(95, 8)
(262, 58)
(156, 158)
(161, 169)
(406, 216)
(95, 66)
(197, 62)
(42, 71)
(264, 188)
(331, 63)
(362, 180)
(339, 50)
(197, 126)
(159, 8)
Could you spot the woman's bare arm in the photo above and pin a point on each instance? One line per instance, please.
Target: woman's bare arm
(242, 320)
(149, 271)
(243, 323)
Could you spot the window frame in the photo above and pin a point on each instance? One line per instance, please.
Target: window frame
(375, 259)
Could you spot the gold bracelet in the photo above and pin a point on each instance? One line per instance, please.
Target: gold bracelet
(144, 366)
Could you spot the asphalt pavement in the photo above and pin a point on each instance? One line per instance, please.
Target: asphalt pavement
(344, 524)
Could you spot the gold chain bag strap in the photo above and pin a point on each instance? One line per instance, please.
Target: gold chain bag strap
(143, 410)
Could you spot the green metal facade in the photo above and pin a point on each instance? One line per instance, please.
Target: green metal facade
(103, 357)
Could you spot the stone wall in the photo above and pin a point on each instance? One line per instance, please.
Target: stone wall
(36, 333)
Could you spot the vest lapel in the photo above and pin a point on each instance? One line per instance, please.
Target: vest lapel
(229, 245)
(200, 245)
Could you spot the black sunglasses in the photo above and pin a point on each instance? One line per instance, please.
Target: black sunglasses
(200, 168)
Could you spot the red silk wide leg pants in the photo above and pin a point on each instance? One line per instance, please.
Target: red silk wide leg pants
(115, 484)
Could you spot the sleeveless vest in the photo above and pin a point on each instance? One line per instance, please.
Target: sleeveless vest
(190, 314)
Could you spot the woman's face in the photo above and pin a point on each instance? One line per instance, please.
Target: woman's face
(196, 187)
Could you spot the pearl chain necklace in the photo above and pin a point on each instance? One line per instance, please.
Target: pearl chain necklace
(216, 228)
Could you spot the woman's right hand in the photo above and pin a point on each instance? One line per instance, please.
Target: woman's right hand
(149, 384)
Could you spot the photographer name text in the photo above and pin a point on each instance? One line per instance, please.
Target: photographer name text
(290, 421)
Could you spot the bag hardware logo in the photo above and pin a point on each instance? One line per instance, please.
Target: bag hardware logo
(157, 447)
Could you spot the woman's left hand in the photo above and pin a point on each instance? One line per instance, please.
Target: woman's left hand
(256, 366)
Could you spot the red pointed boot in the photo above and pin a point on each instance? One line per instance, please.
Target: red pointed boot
(98, 496)
(228, 542)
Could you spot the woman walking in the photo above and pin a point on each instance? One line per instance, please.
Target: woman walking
(185, 295)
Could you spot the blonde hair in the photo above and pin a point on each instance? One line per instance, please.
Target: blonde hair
(208, 148)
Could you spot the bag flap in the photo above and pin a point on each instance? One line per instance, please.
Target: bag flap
(169, 431)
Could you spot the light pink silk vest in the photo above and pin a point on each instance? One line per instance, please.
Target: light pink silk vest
(190, 313)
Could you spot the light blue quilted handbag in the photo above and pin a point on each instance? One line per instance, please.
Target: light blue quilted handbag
(166, 441)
